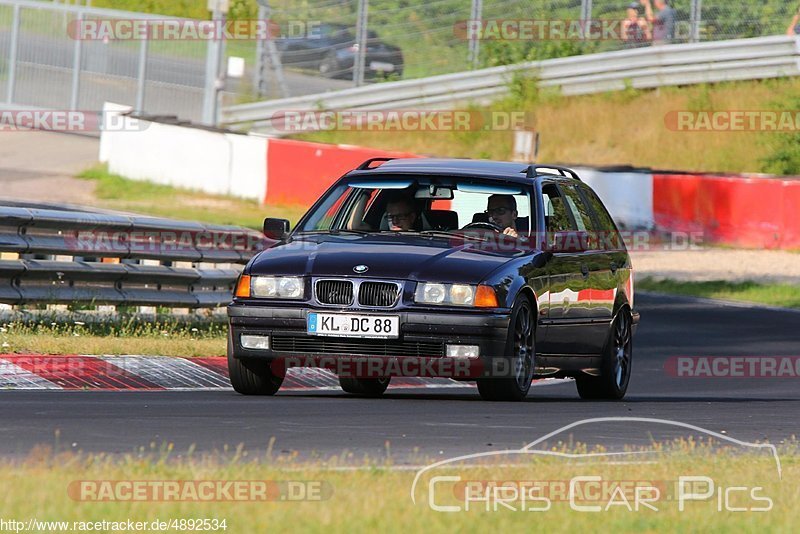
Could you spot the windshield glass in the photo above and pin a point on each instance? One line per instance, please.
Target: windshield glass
(422, 203)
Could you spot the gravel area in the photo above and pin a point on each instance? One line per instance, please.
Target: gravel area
(40, 166)
(765, 266)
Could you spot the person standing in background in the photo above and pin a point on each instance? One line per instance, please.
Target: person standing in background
(663, 22)
(635, 30)
(794, 27)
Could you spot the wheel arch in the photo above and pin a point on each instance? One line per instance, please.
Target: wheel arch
(528, 291)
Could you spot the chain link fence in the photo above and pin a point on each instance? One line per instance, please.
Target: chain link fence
(324, 45)
(43, 66)
(433, 37)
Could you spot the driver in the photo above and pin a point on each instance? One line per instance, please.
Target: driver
(502, 211)
(401, 212)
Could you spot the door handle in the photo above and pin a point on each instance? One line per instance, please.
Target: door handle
(585, 271)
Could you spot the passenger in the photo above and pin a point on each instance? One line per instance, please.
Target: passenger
(402, 213)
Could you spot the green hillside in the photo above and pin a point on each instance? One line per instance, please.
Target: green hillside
(626, 127)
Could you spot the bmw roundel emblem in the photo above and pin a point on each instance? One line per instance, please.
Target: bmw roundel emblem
(360, 268)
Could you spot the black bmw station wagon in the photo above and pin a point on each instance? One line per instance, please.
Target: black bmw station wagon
(496, 272)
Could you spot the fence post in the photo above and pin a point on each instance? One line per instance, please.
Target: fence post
(696, 20)
(76, 68)
(586, 16)
(12, 55)
(260, 79)
(267, 56)
(361, 41)
(141, 79)
(476, 15)
(213, 59)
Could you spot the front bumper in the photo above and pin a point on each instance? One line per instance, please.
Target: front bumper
(423, 334)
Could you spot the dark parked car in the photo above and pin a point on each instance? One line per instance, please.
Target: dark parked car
(516, 271)
(333, 49)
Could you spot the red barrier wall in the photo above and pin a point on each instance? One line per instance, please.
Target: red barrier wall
(737, 211)
(299, 172)
(791, 214)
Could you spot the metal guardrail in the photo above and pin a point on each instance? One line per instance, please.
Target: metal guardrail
(641, 68)
(66, 256)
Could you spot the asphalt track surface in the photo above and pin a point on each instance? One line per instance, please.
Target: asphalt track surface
(444, 423)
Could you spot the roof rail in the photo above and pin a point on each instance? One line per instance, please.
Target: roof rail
(533, 171)
(367, 164)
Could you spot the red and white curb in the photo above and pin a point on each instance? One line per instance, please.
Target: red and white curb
(113, 373)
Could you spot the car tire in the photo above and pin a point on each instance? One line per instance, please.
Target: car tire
(251, 377)
(520, 355)
(364, 387)
(612, 384)
(329, 66)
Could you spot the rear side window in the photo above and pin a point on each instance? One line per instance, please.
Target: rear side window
(579, 209)
(555, 211)
(600, 211)
(610, 238)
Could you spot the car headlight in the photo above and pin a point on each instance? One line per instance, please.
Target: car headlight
(431, 293)
(456, 295)
(277, 287)
(462, 295)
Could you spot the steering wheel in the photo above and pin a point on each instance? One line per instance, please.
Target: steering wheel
(484, 225)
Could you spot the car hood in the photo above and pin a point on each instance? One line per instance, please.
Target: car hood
(387, 256)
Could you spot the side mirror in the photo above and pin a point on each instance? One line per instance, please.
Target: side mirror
(276, 229)
(568, 242)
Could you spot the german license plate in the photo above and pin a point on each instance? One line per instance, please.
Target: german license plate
(381, 66)
(348, 325)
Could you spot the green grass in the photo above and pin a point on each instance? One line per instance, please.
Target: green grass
(115, 192)
(623, 127)
(167, 337)
(784, 295)
(373, 497)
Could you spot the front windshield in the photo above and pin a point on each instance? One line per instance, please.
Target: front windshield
(422, 204)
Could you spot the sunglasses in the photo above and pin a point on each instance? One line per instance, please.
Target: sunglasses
(397, 217)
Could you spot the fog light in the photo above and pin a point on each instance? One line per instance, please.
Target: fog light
(255, 342)
(462, 351)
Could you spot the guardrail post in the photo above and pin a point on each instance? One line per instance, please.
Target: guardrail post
(476, 15)
(76, 68)
(696, 20)
(148, 310)
(361, 41)
(12, 55)
(141, 80)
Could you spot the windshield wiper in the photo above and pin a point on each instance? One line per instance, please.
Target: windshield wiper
(337, 231)
(450, 233)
